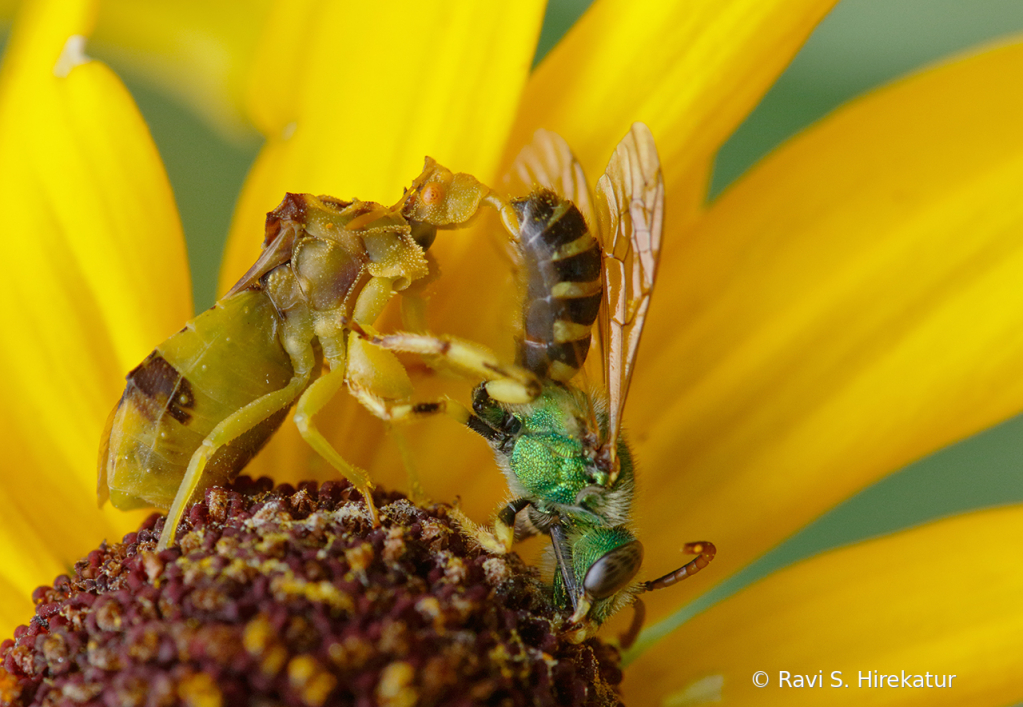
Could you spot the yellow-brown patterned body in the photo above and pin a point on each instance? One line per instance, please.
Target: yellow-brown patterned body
(183, 390)
(207, 399)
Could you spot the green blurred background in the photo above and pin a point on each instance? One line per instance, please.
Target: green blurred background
(862, 44)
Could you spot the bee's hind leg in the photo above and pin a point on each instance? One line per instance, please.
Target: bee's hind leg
(504, 381)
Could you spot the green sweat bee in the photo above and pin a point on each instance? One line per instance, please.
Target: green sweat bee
(206, 400)
(559, 445)
(563, 453)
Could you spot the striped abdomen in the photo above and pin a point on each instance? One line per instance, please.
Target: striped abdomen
(222, 360)
(563, 287)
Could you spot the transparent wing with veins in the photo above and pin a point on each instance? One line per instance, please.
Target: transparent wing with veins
(548, 162)
(629, 206)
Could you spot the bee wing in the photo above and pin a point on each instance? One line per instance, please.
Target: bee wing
(548, 162)
(630, 211)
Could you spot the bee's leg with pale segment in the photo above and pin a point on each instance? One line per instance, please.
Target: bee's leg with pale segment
(499, 540)
(505, 382)
(237, 424)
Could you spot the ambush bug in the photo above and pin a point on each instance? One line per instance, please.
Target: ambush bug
(206, 400)
(563, 453)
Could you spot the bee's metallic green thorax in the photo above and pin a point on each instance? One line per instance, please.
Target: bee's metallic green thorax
(550, 454)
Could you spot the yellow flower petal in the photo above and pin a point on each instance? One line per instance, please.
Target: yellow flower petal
(691, 70)
(199, 51)
(351, 98)
(96, 269)
(943, 598)
(852, 305)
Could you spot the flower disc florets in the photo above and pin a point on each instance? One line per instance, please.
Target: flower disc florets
(278, 596)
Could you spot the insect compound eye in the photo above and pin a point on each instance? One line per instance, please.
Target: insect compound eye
(432, 193)
(510, 424)
(614, 570)
(482, 403)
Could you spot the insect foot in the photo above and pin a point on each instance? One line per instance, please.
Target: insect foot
(290, 596)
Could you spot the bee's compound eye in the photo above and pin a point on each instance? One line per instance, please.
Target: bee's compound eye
(613, 570)
(432, 193)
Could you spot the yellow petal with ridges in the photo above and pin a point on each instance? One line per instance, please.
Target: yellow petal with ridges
(97, 269)
(851, 305)
(198, 51)
(352, 97)
(940, 599)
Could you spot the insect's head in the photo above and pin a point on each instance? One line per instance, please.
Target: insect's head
(604, 563)
(440, 198)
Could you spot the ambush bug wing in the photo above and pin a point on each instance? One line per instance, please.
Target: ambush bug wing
(630, 212)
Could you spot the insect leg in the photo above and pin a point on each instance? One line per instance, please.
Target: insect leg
(704, 551)
(238, 423)
(480, 534)
(563, 557)
(504, 523)
(507, 383)
(313, 399)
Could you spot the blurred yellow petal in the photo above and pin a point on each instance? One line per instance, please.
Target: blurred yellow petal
(943, 599)
(96, 268)
(351, 100)
(691, 70)
(199, 51)
(849, 307)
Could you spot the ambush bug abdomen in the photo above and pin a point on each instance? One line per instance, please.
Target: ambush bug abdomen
(182, 390)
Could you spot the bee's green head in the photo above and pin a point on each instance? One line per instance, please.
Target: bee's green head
(604, 562)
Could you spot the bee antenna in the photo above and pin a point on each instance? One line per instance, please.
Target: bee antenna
(704, 552)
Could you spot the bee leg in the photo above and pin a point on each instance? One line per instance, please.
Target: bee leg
(504, 522)
(505, 211)
(505, 382)
(477, 533)
(313, 399)
(238, 423)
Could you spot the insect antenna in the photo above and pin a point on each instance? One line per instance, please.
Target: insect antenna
(704, 552)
